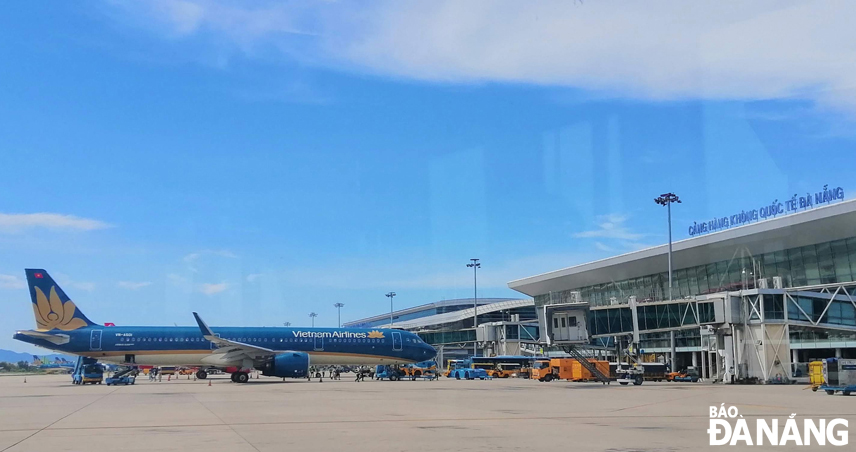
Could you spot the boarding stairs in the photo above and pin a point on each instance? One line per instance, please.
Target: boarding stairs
(576, 354)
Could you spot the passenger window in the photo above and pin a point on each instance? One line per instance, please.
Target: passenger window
(555, 322)
(572, 321)
(563, 322)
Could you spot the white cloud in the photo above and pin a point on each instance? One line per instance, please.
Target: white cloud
(192, 258)
(19, 222)
(603, 247)
(81, 285)
(211, 289)
(131, 285)
(254, 276)
(11, 282)
(176, 278)
(673, 49)
(66, 282)
(610, 227)
(221, 253)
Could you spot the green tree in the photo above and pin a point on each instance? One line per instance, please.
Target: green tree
(23, 365)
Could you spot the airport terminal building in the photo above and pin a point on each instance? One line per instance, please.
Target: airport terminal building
(746, 302)
(448, 325)
(754, 301)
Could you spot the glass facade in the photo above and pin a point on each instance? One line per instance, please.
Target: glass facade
(619, 320)
(823, 263)
(683, 338)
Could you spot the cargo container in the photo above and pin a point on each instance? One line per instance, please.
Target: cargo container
(839, 375)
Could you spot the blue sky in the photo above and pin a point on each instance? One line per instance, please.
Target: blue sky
(257, 163)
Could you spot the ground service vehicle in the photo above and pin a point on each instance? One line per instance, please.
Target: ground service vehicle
(391, 373)
(689, 374)
(503, 366)
(421, 368)
(469, 374)
(626, 374)
(87, 370)
(121, 380)
(839, 375)
(462, 369)
(653, 371)
(541, 370)
(451, 365)
(566, 369)
(815, 374)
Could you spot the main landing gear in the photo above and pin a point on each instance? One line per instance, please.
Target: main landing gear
(240, 377)
(201, 374)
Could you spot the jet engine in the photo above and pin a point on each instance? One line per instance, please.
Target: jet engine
(289, 364)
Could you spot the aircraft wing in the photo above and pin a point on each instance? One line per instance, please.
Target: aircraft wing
(231, 349)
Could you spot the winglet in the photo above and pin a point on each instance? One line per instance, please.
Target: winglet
(202, 326)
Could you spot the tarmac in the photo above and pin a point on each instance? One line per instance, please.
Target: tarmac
(48, 413)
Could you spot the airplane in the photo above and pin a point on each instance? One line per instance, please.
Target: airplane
(60, 365)
(276, 351)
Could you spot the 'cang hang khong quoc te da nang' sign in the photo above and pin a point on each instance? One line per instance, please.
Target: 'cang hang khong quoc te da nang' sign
(792, 205)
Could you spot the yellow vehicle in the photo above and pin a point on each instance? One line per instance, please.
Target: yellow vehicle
(420, 369)
(815, 374)
(541, 370)
(566, 369)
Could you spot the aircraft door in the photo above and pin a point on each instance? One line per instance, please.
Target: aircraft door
(319, 342)
(396, 340)
(95, 340)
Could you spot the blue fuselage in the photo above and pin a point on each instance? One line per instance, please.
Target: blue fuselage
(146, 345)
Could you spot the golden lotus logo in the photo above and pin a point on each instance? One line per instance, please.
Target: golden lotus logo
(55, 314)
(375, 335)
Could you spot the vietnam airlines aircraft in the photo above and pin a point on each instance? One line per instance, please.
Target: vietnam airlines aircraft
(276, 351)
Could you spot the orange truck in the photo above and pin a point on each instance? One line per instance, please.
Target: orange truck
(565, 369)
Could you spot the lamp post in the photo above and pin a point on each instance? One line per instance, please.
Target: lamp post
(666, 199)
(312, 315)
(339, 308)
(474, 263)
(286, 323)
(390, 295)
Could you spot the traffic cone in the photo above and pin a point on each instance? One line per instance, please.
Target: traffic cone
(209, 382)
(168, 377)
(25, 379)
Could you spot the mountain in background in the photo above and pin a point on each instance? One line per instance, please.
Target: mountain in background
(13, 357)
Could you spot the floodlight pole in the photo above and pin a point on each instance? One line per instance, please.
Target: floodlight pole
(474, 263)
(312, 315)
(391, 295)
(339, 308)
(666, 199)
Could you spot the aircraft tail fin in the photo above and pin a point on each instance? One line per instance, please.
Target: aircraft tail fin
(51, 306)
